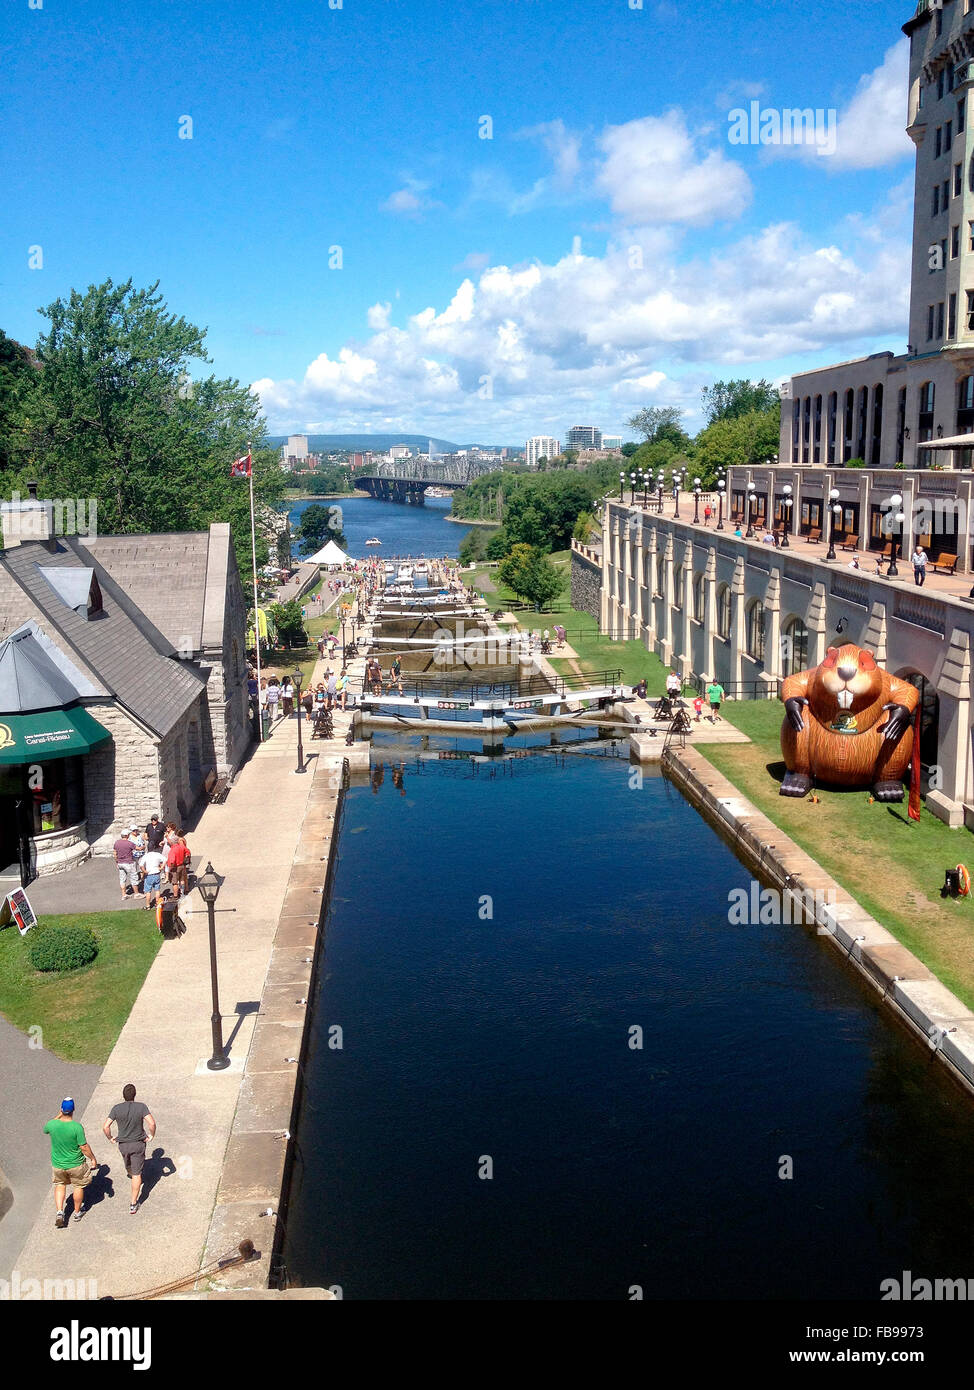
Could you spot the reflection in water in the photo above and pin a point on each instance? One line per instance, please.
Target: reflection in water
(492, 943)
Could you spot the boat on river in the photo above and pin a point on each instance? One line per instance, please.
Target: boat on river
(373, 540)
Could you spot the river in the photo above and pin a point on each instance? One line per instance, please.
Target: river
(402, 529)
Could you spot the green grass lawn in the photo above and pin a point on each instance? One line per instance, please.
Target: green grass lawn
(595, 652)
(893, 866)
(81, 1013)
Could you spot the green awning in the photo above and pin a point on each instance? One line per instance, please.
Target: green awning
(52, 733)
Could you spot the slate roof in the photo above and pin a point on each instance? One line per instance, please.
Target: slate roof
(125, 654)
(164, 575)
(29, 679)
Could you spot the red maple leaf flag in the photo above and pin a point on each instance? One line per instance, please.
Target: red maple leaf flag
(241, 468)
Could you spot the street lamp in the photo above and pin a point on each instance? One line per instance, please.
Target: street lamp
(297, 678)
(209, 885)
(622, 483)
(696, 501)
(677, 480)
(632, 488)
(660, 479)
(834, 511)
(894, 502)
(749, 533)
(786, 506)
(720, 505)
(646, 482)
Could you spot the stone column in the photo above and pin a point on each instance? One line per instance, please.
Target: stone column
(874, 638)
(666, 637)
(651, 554)
(686, 633)
(772, 629)
(640, 609)
(709, 613)
(817, 624)
(738, 635)
(946, 800)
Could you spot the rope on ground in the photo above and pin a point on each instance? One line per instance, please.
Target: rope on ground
(245, 1255)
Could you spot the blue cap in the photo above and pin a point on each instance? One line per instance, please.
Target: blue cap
(67, 1105)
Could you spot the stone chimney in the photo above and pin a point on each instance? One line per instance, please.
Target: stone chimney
(26, 519)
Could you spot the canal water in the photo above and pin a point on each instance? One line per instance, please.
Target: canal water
(487, 1129)
(402, 529)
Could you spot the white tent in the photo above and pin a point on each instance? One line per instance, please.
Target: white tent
(330, 554)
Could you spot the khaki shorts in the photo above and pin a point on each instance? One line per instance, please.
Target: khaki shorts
(72, 1177)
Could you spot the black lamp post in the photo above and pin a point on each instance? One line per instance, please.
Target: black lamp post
(659, 485)
(632, 488)
(899, 517)
(677, 479)
(786, 506)
(720, 505)
(297, 677)
(749, 533)
(209, 885)
(833, 512)
(622, 483)
(696, 501)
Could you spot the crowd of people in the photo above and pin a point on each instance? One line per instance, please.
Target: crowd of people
(147, 858)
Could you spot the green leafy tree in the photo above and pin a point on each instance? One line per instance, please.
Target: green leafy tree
(18, 377)
(115, 414)
(539, 580)
(629, 449)
(318, 526)
(658, 422)
(728, 400)
(584, 528)
(742, 440)
(510, 568)
(498, 545)
(286, 617)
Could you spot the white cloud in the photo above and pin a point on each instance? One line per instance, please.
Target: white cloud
(410, 200)
(555, 338)
(654, 172)
(871, 129)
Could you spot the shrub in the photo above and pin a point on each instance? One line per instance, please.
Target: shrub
(855, 463)
(61, 948)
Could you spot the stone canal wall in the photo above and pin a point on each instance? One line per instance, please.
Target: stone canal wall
(586, 584)
(906, 986)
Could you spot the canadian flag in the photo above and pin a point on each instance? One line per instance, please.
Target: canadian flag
(241, 468)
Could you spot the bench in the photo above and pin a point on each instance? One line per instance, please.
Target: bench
(947, 563)
(216, 788)
(815, 534)
(850, 543)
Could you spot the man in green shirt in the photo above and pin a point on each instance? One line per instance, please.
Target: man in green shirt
(715, 693)
(69, 1150)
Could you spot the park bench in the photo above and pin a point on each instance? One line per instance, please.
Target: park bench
(850, 543)
(815, 534)
(215, 787)
(947, 563)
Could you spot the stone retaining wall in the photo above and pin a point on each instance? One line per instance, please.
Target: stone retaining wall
(586, 585)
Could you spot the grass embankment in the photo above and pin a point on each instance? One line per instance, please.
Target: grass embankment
(80, 1013)
(595, 652)
(893, 866)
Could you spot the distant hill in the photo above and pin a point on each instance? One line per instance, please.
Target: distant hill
(379, 443)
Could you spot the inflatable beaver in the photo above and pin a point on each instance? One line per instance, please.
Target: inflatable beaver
(847, 722)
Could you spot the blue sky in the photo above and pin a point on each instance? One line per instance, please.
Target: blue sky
(464, 305)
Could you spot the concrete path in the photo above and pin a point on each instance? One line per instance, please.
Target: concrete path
(251, 840)
(34, 1084)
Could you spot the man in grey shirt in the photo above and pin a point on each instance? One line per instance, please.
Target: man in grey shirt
(135, 1125)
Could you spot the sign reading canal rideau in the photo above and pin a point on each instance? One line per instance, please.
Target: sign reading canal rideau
(452, 704)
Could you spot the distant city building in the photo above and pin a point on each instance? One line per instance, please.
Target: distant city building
(541, 446)
(584, 437)
(612, 441)
(400, 451)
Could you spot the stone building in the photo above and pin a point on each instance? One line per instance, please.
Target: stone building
(143, 634)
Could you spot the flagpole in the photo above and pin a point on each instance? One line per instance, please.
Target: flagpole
(253, 553)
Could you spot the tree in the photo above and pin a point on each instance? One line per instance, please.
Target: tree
(742, 440)
(114, 414)
(510, 568)
(18, 374)
(286, 617)
(629, 449)
(659, 422)
(317, 526)
(498, 545)
(539, 580)
(727, 400)
(584, 527)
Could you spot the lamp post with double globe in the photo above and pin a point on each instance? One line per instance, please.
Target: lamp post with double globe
(696, 501)
(622, 484)
(787, 503)
(834, 511)
(749, 533)
(895, 515)
(720, 505)
(660, 480)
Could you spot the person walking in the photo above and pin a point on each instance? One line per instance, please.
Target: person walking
(128, 872)
(331, 688)
(395, 675)
(287, 698)
(273, 697)
(179, 860)
(715, 695)
(341, 687)
(707, 514)
(72, 1162)
(134, 1127)
(152, 862)
(673, 685)
(919, 558)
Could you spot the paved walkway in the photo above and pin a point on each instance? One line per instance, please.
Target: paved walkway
(251, 840)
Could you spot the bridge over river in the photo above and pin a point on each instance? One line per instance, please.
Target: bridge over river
(407, 480)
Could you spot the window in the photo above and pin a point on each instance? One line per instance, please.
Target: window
(723, 611)
(920, 92)
(943, 251)
(678, 586)
(900, 422)
(948, 135)
(938, 143)
(941, 77)
(952, 316)
(935, 200)
(660, 574)
(756, 622)
(57, 803)
(699, 596)
(930, 314)
(940, 319)
(863, 416)
(944, 195)
(817, 437)
(794, 648)
(955, 242)
(970, 310)
(939, 29)
(833, 412)
(877, 432)
(957, 180)
(970, 236)
(961, 113)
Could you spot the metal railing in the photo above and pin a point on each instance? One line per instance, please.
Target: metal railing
(431, 689)
(740, 690)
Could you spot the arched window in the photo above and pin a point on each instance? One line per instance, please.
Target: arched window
(929, 714)
(756, 623)
(699, 597)
(794, 648)
(660, 574)
(678, 586)
(723, 610)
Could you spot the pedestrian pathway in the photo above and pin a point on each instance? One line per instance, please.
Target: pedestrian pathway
(251, 840)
